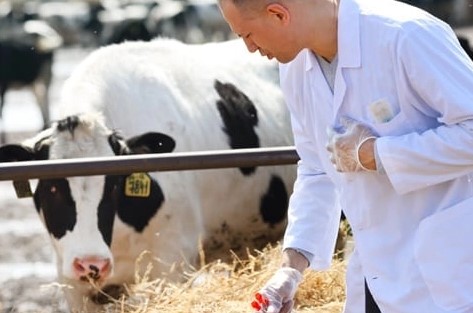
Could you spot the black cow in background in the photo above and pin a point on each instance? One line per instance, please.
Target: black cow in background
(124, 23)
(465, 43)
(26, 60)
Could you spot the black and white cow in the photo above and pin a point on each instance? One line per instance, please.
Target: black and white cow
(26, 60)
(159, 97)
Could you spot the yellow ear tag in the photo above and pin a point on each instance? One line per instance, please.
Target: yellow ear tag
(22, 188)
(138, 185)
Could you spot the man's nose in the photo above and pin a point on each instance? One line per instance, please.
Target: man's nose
(250, 45)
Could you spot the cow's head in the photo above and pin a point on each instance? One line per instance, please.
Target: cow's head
(79, 212)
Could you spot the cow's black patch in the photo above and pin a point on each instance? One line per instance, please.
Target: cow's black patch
(240, 117)
(274, 202)
(151, 142)
(117, 144)
(69, 123)
(132, 210)
(138, 211)
(53, 197)
(107, 207)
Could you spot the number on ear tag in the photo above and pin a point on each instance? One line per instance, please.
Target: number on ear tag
(138, 185)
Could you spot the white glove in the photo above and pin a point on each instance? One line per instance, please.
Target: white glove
(344, 145)
(278, 293)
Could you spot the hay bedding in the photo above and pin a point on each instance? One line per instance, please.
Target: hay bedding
(229, 287)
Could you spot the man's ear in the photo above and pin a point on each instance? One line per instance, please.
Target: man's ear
(279, 11)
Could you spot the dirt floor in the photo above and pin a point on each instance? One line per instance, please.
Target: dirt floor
(26, 258)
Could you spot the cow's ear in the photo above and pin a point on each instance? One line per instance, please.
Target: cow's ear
(15, 152)
(151, 143)
(117, 144)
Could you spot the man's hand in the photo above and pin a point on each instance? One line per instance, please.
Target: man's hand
(352, 149)
(278, 293)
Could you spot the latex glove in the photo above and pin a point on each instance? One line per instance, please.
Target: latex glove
(344, 145)
(278, 293)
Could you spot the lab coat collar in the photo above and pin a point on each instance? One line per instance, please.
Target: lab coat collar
(349, 50)
(349, 53)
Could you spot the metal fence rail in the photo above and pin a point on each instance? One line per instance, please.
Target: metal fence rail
(148, 163)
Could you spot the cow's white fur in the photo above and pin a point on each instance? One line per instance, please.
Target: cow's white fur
(166, 86)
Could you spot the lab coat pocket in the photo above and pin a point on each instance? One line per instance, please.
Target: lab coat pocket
(386, 120)
(444, 253)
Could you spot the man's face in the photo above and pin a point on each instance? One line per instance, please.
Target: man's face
(260, 30)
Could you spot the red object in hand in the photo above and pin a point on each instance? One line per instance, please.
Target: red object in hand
(261, 302)
(255, 305)
(261, 299)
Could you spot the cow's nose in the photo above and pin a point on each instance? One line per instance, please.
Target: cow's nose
(92, 268)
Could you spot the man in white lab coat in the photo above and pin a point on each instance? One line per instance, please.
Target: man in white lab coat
(381, 99)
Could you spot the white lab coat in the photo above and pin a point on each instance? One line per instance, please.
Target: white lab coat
(403, 73)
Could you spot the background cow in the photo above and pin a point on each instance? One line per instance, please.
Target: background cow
(26, 60)
(159, 97)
